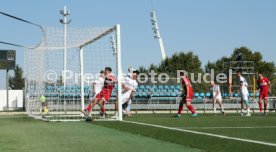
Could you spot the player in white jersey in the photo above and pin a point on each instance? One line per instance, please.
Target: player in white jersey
(129, 85)
(216, 97)
(98, 84)
(130, 71)
(244, 93)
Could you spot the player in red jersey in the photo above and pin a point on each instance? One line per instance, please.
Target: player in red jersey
(187, 96)
(104, 95)
(264, 90)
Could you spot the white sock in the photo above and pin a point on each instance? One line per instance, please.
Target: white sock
(242, 110)
(215, 110)
(248, 110)
(222, 109)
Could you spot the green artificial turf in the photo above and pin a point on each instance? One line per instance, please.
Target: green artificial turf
(24, 134)
(261, 133)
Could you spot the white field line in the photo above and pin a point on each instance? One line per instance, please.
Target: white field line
(205, 134)
(255, 127)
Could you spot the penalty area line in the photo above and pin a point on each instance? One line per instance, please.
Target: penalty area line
(205, 134)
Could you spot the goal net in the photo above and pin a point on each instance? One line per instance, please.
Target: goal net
(59, 82)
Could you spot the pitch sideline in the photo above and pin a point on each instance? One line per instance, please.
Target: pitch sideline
(206, 128)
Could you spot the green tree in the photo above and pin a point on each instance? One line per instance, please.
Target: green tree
(180, 61)
(17, 82)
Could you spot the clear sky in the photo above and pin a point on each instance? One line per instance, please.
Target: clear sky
(209, 28)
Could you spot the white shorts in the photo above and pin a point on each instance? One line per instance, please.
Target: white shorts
(125, 98)
(219, 98)
(244, 96)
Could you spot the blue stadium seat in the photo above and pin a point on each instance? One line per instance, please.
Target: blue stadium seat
(144, 95)
(155, 95)
(170, 90)
(167, 94)
(46, 91)
(164, 90)
(66, 95)
(55, 95)
(208, 94)
(162, 94)
(146, 91)
(160, 87)
(177, 87)
(236, 94)
(166, 87)
(174, 95)
(153, 87)
(196, 95)
(175, 90)
(139, 90)
(202, 95)
(251, 94)
(77, 95)
(48, 87)
(157, 90)
(141, 87)
(136, 95)
(147, 87)
(172, 87)
(257, 94)
(140, 95)
(154, 90)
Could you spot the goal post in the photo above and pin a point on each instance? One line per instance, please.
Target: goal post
(89, 50)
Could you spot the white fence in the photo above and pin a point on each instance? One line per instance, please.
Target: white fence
(15, 99)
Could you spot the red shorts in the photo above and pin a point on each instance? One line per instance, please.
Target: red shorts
(189, 97)
(105, 94)
(263, 95)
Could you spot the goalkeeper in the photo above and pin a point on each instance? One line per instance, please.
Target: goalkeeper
(44, 107)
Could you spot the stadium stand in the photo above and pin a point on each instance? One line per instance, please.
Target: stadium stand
(143, 91)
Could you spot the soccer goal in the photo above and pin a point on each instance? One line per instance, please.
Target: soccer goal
(59, 80)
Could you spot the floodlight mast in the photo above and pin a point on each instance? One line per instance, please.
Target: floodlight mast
(157, 34)
(65, 12)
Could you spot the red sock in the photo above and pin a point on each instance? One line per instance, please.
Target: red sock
(103, 109)
(265, 106)
(260, 106)
(180, 108)
(89, 107)
(191, 108)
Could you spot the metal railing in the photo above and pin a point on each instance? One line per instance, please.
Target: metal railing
(170, 105)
